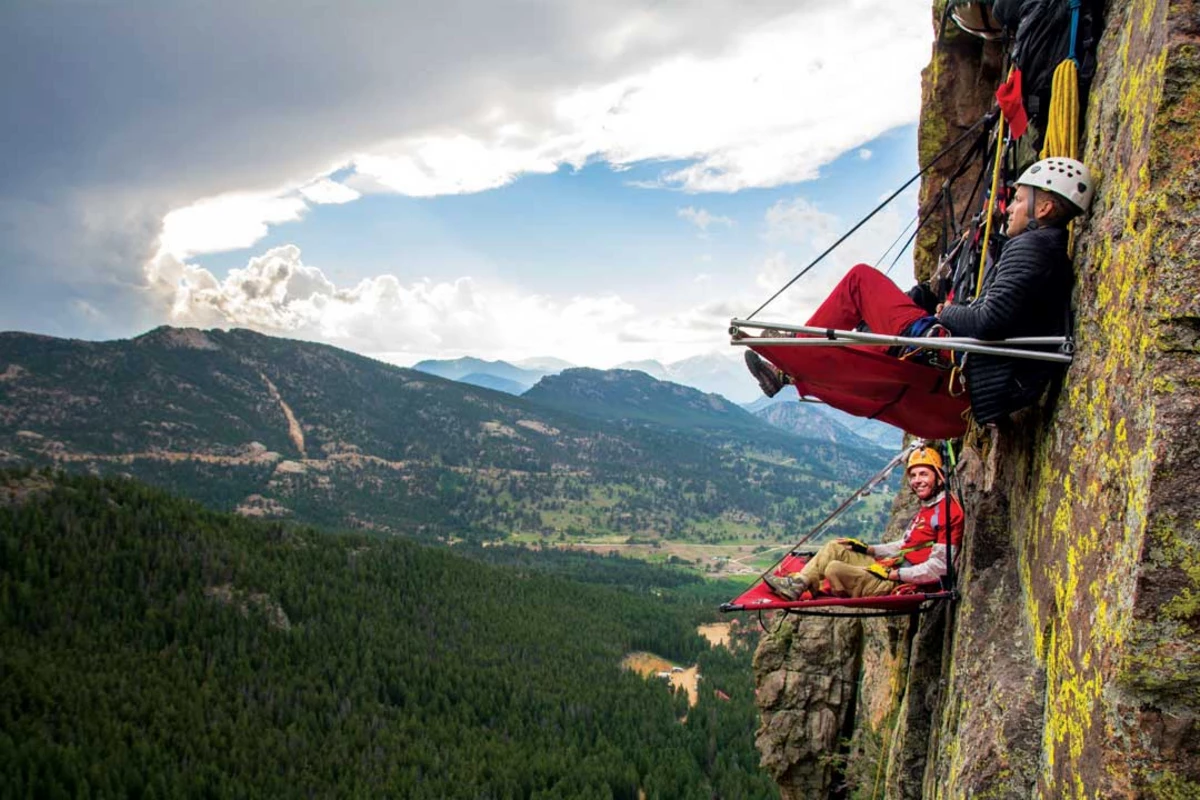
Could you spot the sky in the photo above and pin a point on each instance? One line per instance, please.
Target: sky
(599, 182)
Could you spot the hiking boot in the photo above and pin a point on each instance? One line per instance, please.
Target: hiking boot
(786, 586)
(770, 379)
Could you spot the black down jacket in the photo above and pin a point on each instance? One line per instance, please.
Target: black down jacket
(1026, 293)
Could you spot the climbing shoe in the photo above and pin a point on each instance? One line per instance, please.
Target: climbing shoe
(770, 379)
(786, 586)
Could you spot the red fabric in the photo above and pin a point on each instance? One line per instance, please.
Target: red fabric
(1011, 105)
(867, 295)
(901, 602)
(758, 597)
(866, 382)
(927, 526)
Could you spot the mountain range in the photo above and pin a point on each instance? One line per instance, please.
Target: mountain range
(279, 428)
(713, 374)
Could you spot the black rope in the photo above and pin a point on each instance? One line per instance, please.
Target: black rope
(945, 150)
(873, 481)
(899, 236)
(974, 193)
(906, 246)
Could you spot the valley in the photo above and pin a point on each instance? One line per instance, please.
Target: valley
(275, 429)
(152, 647)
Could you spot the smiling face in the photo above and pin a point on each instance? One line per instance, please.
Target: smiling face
(923, 481)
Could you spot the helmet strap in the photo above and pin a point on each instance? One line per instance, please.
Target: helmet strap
(1031, 211)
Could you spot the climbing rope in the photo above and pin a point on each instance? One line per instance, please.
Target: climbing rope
(896, 241)
(1062, 127)
(872, 482)
(904, 249)
(991, 204)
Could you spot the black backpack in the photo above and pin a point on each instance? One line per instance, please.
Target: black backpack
(1041, 31)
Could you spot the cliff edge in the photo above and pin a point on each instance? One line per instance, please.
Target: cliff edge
(1070, 668)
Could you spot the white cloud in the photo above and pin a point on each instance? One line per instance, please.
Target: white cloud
(278, 293)
(458, 164)
(226, 222)
(702, 219)
(865, 154)
(799, 220)
(210, 140)
(778, 103)
(326, 192)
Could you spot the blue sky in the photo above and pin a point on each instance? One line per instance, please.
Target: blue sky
(601, 184)
(589, 229)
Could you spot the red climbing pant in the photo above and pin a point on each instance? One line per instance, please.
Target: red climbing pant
(867, 295)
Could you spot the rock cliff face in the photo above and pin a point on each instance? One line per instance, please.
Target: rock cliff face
(1071, 666)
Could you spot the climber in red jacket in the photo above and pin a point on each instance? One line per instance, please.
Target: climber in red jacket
(857, 570)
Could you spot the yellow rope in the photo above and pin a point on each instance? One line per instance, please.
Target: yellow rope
(1062, 127)
(991, 207)
(880, 761)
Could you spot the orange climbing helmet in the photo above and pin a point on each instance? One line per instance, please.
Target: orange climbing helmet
(925, 456)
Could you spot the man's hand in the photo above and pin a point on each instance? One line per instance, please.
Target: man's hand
(894, 575)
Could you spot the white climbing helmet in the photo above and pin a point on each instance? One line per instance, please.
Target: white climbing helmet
(976, 18)
(1065, 177)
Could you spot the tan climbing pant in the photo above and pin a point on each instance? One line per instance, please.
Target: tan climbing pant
(846, 571)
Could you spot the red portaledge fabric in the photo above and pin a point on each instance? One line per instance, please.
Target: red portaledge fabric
(759, 597)
(866, 382)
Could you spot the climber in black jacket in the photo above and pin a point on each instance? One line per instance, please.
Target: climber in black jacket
(1027, 292)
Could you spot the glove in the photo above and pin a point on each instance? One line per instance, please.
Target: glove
(878, 570)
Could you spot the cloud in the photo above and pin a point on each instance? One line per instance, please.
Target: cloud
(702, 219)
(807, 231)
(799, 220)
(130, 117)
(227, 222)
(865, 154)
(325, 192)
(278, 293)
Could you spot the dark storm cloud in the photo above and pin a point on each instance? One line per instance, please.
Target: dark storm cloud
(115, 113)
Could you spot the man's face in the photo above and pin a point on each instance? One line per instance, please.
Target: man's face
(923, 481)
(1018, 211)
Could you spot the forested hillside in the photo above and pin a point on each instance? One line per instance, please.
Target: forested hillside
(285, 429)
(152, 648)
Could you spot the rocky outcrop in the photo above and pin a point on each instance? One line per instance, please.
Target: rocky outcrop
(1071, 665)
(808, 678)
(956, 90)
